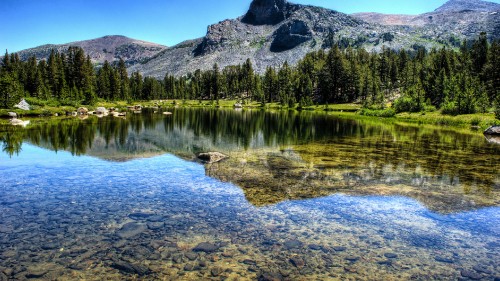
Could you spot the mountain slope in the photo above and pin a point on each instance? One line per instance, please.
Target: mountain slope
(270, 33)
(275, 31)
(110, 48)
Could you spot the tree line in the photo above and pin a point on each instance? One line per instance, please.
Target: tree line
(457, 82)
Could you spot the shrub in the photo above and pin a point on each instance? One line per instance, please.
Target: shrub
(450, 108)
(35, 101)
(403, 104)
(497, 112)
(475, 121)
(429, 108)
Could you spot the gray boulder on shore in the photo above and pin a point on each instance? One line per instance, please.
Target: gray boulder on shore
(493, 130)
(211, 157)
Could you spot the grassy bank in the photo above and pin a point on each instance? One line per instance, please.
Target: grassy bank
(475, 121)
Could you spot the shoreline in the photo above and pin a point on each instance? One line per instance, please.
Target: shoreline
(475, 122)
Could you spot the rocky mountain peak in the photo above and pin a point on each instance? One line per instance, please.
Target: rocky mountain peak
(471, 5)
(263, 12)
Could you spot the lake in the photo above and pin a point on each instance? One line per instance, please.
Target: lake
(302, 196)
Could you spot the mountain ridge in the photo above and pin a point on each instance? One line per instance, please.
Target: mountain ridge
(274, 31)
(109, 47)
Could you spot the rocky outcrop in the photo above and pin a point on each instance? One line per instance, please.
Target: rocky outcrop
(290, 35)
(266, 12)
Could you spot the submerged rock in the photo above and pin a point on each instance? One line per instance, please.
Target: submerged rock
(293, 244)
(471, 274)
(270, 276)
(130, 268)
(205, 247)
(211, 157)
(390, 255)
(131, 229)
(297, 262)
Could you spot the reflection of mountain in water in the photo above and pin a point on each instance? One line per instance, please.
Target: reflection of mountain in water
(287, 155)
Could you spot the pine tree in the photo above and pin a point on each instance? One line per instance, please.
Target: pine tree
(124, 81)
(270, 85)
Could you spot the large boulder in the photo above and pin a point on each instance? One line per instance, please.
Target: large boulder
(23, 105)
(211, 157)
(493, 130)
(101, 111)
(266, 12)
(82, 111)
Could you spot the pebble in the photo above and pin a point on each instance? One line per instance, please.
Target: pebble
(127, 267)
(216, 271)
(249, 262)
(297, 262)
(314, 247)
(390, 255)
(131, 229)
(386, 262)
(471, 274)
(206, 247)
(482, 269)
(339, 248)
(35, 273)
(443, 259)
(293, 244)
(8, 271)
(352, 258)
(270, 276)
(191, 256)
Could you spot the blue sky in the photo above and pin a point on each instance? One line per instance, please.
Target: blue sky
(30, 23)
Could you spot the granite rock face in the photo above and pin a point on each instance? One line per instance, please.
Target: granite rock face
(290, 35)
(266, 12)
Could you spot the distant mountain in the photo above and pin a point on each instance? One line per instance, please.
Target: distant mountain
(275, 31)
(110, 48)
(455, 20)
(468, 5)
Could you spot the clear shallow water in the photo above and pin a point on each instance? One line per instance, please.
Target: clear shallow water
(302, 201)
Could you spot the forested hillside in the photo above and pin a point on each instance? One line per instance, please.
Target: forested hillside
(462, 82)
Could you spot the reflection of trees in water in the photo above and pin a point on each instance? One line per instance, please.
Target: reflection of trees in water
(437, 152)
(12, 141)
